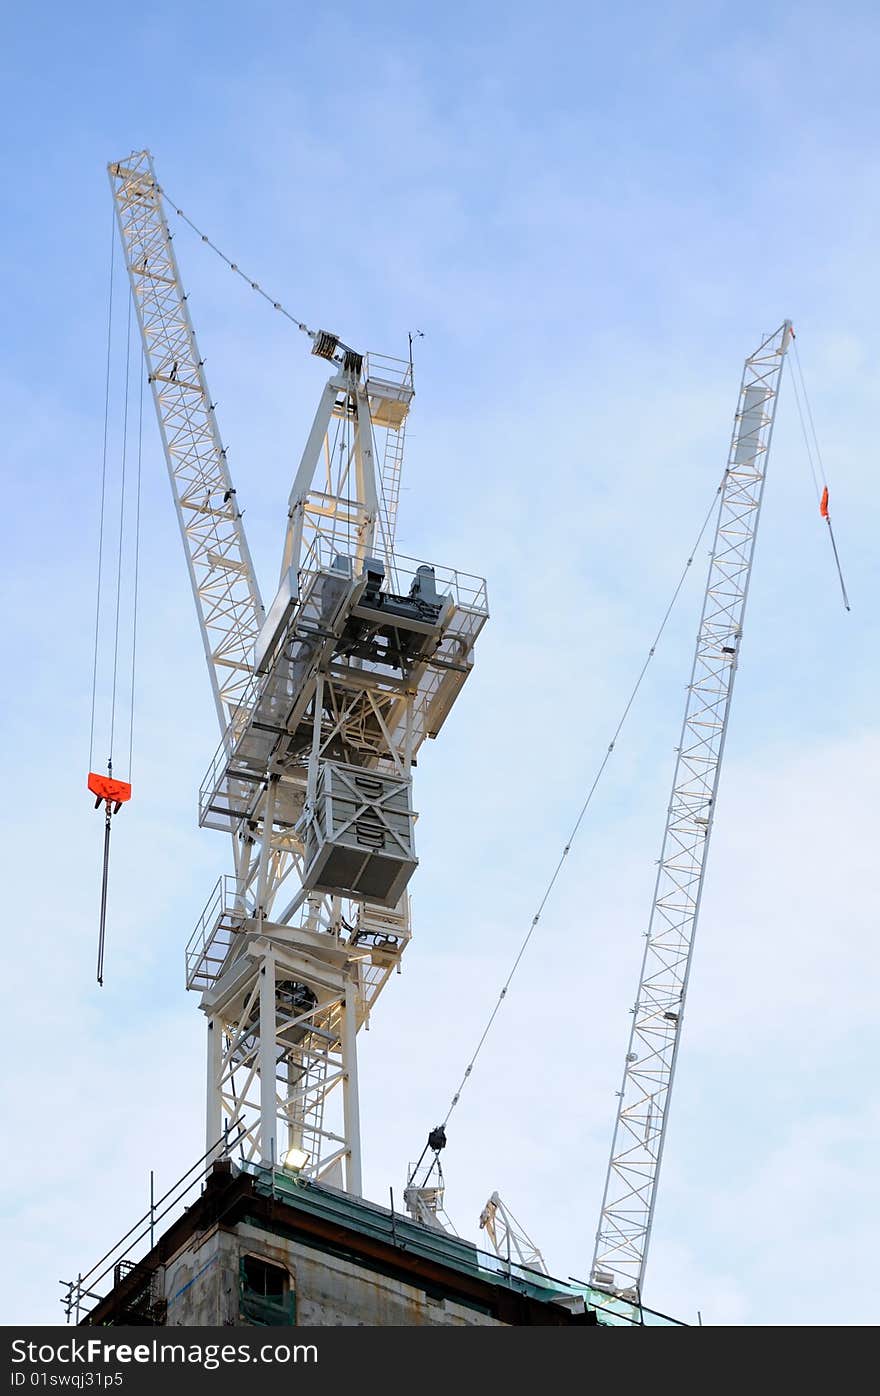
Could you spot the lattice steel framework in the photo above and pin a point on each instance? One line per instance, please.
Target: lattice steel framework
(509, 1239)
(631, 1184)
(223, 580)
(313, 702)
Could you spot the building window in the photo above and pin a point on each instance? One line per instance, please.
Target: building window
(265, 1292)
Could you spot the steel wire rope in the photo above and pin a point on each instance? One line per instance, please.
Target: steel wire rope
(276, 305)
(585, 806)
(103, 490)
(807, 445)
(119, 549)
(137, 552)
(233, 266)
(340, 447)
(797, 359)
(815, 449)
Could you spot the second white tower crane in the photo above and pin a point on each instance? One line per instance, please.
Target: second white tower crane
(628, 1204)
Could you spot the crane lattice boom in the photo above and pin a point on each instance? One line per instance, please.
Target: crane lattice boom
(223, 579)
(637, 1149)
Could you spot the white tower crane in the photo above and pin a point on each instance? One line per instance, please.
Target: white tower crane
(323, 703)
(630, 1194)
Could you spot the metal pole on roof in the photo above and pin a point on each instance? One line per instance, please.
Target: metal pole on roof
(350, 1100)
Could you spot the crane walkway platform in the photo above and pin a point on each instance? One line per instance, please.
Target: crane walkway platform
(343, 620)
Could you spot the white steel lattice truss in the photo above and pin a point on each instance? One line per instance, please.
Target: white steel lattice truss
(227, 596)
(508, 1238)
(286, 988)
(637, 1148)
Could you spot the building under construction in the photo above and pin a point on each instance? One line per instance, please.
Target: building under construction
(324, 699)
(259, 1246)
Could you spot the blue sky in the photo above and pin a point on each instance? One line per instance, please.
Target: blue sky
(593, 217)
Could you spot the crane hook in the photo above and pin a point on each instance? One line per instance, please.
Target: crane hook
(112, 794)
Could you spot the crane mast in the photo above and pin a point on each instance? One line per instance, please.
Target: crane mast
(629, 1199)
(324, 701)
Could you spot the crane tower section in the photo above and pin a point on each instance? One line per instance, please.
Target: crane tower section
(637, 1149)
(359, 658)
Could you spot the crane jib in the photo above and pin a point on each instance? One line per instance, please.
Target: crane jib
(224, 583)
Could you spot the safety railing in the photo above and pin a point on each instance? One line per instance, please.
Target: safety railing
(467, 590)
(90, 1286)
(381, 369)
(214, 932)
(453, 1251)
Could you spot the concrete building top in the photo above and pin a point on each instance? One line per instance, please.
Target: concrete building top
(321, 1220)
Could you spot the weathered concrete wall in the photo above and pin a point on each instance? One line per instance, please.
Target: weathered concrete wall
(201, 1286)
(201, 1283)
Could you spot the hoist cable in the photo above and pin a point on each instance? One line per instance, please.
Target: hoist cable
(843, 591)
(585, 806)
(807, 445)
(813, 450)
(105, 872)
(121, 528)
(797, 359)
(108, 791)
(233, 266)
(103, 491)
(137, 551)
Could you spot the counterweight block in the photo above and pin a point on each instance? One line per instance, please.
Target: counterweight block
(359, 835)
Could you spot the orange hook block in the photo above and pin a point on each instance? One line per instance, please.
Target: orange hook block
(106, 788)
